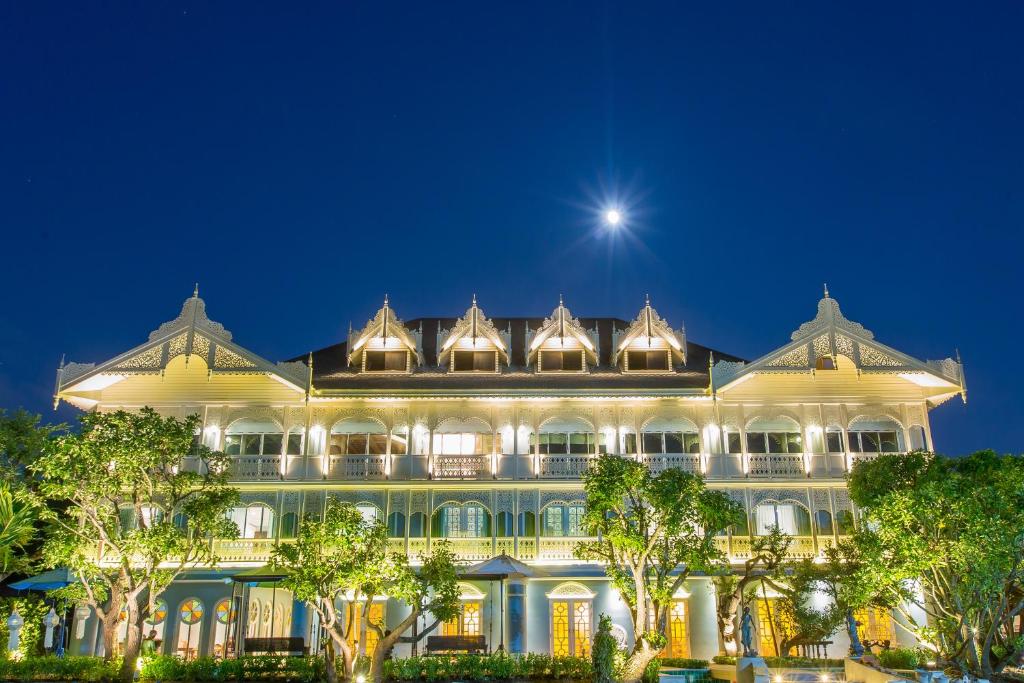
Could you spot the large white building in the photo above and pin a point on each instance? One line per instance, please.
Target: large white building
(476, 430)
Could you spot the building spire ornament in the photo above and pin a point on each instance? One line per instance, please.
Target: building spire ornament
(826, 290)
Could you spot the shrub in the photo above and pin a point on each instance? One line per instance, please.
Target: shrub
(50, 668)
(900, 658)
(496, 667)
(602, 656)
(787, 662)
(252, 668)
(683, 663)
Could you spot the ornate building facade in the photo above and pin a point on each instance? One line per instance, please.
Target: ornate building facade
(476, 430)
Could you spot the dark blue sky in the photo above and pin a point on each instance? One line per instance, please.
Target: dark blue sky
(301, 160)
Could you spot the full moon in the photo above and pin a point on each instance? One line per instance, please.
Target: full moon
(612, 217)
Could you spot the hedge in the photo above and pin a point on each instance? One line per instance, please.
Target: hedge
(787, 662)
(251, 668)
(496, 667)
(50, 668)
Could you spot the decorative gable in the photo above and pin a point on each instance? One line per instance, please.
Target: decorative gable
(382, 334)
(191, 334)
(830, 339)
(649, 332)
(561, 332)
(473, 333)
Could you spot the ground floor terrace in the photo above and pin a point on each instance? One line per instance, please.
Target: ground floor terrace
(232, 612)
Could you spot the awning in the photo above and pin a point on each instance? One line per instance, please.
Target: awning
(264, 574)
(47, 581)
(500, 567)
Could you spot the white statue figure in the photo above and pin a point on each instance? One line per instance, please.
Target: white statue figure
(14, 624)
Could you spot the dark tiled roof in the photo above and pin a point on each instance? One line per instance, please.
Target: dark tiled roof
(331, 373)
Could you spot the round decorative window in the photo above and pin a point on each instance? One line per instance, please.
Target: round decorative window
(191, 611)
(225, 613)
(159, 613)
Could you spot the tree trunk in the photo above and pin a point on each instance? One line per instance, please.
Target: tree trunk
(728, 606)
(387, 642)
(633, 670)
(132, 642)
(329, 662)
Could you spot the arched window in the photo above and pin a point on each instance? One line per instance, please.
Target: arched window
(289, 525)
(418, 525)
(253, 521)
(396, 525)
(463, 437)
(823, 520)
(791, 518)
(774, 436)
(670, 436)
(527, 523)
(293, 444)
(470, 520)
(563, 519)
(251, 437)
(370, 512)
(877, 436)
(561, 437)
(503, 521)
(742, 528)
(156, 621)
(190, 623)
(571, 619)
(358, 437)
(224, 614)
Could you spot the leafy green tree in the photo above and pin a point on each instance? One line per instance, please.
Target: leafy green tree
(767, 556)
(653, 531)
(946, 535)
(19, 513)
(132, 517)
(338, 564)
(23, 440)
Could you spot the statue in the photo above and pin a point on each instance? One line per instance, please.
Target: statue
(14, 624)
(856, 649)
(747, 633)
(51, 620)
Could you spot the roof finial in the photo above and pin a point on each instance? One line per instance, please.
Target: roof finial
(195, 292)
(826, 290)
(385, 299)
(647, 299)
(474, 298)
(560, 299)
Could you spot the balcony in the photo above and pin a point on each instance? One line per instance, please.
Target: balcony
(738, 548)
(563, 466)
(770, 465)
(243, 549)
(356, 467)
(462, 467)
(255, 468)
(659, 462)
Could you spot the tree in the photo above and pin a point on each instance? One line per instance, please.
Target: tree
(946, 535)
(767, 555)
(18, 515)
(344, 560)
(22, 441)
(653, 531)
(603, 654)
(133, 518)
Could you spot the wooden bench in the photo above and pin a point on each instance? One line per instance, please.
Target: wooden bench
(276, 646)
(467, 644)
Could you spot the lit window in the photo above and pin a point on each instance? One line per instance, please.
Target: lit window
(561, 361)
(385, 361)
(461, 521)
(474, 361)
(254, 521)
(789, 518)
(647, 360)
(190, 618)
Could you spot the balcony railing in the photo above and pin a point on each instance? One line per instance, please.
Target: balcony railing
(776, 465)
(255, 468)
(563, 466)
(356, 467)
(659, 462)
(244, 549)
(461, 466)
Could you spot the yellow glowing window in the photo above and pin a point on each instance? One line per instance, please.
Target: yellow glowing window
(875, 624)
(678, 638)
(570, 628)
(466, 623)
(773, 626)
(358, 633)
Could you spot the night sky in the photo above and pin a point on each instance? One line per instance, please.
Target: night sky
(301, 160)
